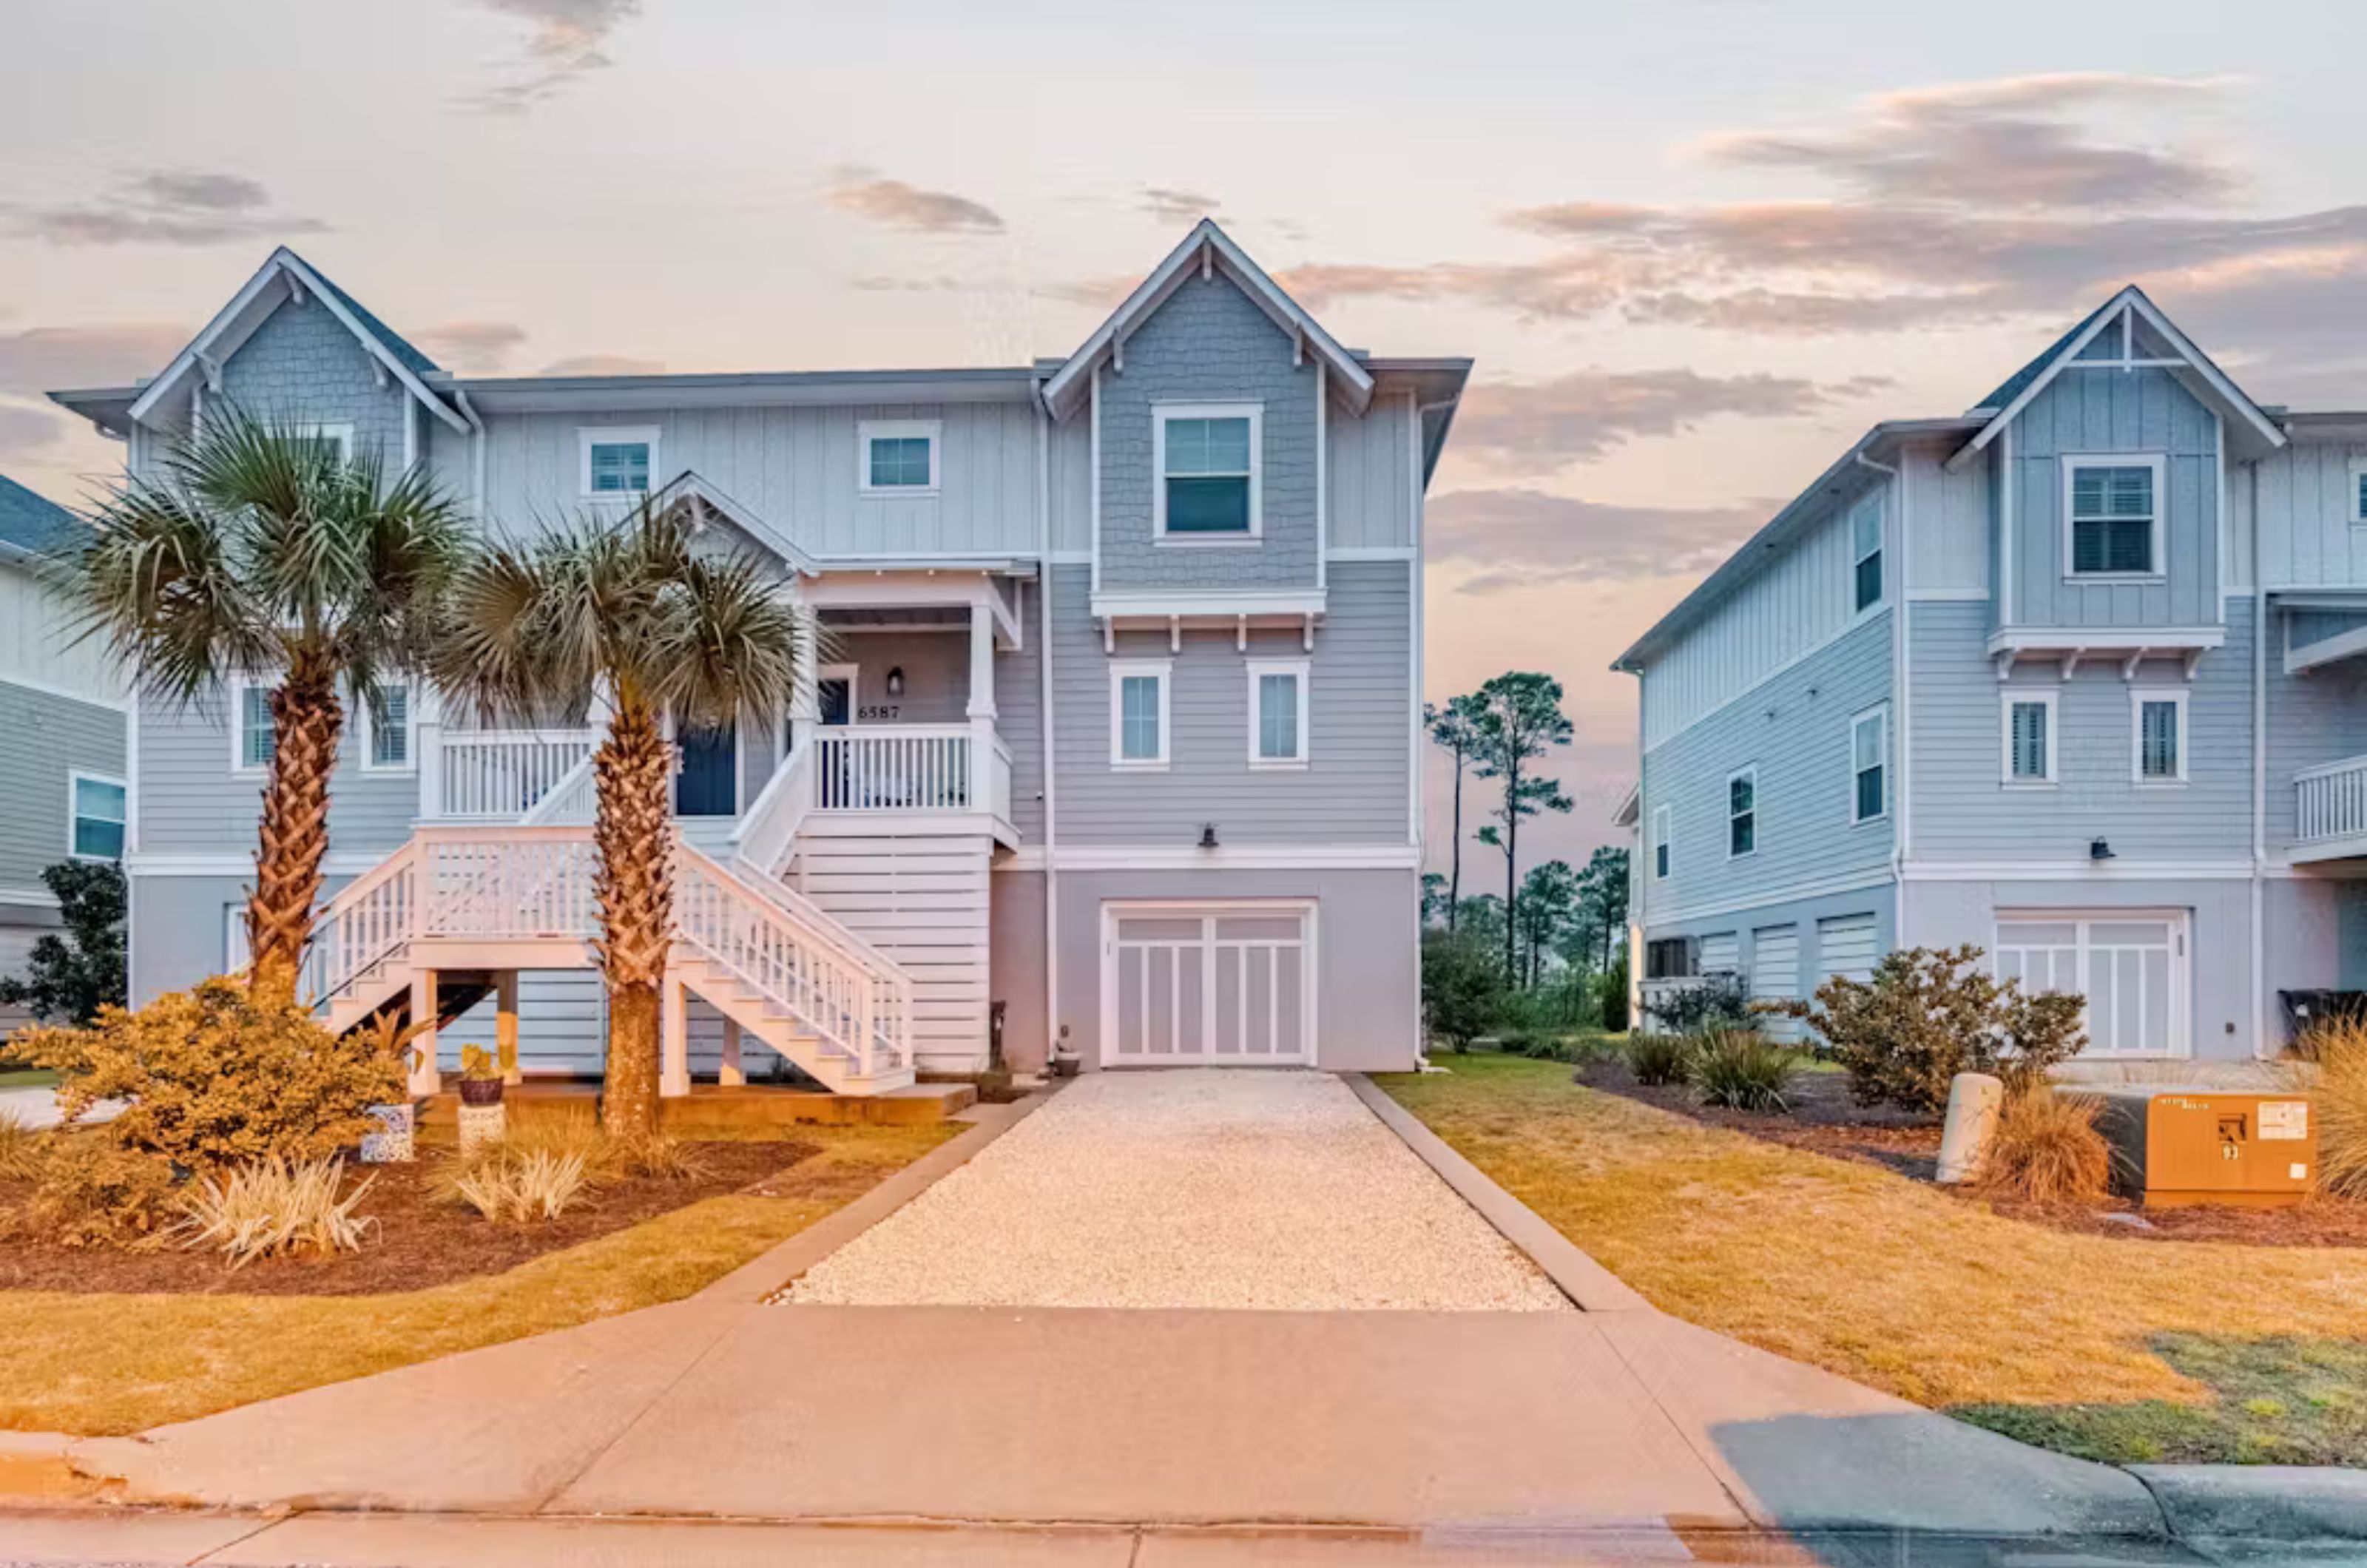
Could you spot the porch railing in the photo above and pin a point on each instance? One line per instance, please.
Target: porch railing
(911, 767)
(2330, 801)
(502, 775)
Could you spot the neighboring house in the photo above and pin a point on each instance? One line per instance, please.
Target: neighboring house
(65, 789)
(2076, 677)
(1121, 738)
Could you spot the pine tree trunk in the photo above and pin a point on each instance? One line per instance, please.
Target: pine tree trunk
(306, 719)
(1454, 865)
(633, 834)
(1511, 863)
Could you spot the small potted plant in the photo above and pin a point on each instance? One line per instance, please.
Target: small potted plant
(482, 1116)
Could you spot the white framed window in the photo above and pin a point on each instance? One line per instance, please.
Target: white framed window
(1210, 478)
(1742, 813)
(1277, 712)
(2157, 735)
(617, 459)
(1664, 842)
(1866, 552)
(898, 457)
(388, 729)
(2027, 733)
(2112, 516)
(250, 724)
(1138, 713)
(2358, 490)
(340, 436)
(1870, 765)
(96, 812)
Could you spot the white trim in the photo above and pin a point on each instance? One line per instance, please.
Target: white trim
(2002, 478)
(1750, 772)
(2010, 698)
(2138, 697)
(1793, 892)
(1949, 595)
(1171, 857)
(1120, 671)
(2069, 465)
(590, 435)
(366, 730)
(1417, 655)
(1340, 553)
(1323, 472)
(1161, 416)
(340, 433)
(870, 430)
(239, 685)
(853, 675)
(1224, 603)
(2082, 870)
(1663, 846)
(1880, 713)
(1093, 496)
(51, 689)
(2324, 651)
(2357, 510)
(1210, 911)
(1297, 669)
(76, 779)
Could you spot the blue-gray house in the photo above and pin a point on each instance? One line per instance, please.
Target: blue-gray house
(2075, 677)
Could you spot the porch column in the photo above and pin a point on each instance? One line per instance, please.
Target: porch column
(425, 1079)
(429, 738)
(505, 1014)
(980, 712)
(674, 1039)
(732, 1075)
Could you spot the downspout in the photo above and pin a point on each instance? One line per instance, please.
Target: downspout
(1902, 794)
(1044, 707)
(476, 453)
(2259, 775)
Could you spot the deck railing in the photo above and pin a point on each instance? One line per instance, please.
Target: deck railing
(502, 775)
(911, 767)
(2330, 801)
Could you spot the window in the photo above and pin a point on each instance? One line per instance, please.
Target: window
(2112, 509)
(1672, 958)
(339, 436)
(2029, 738)
(1661, 837)
(1138, 713)
(1865, 551)
(1743, 814)
(1207, 490)
(1869, 759)
(2359, 489)
(2158, 736)
(249, 728)
(1277, 712)
(900, 457)
(386, 730)
(618, 461)
(98, 817)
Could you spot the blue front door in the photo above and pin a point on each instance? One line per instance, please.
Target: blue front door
(708, 784)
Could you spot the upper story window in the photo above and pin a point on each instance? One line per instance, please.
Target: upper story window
(1743, 814)
(387, 729)
(1209, 488)
(1138, 713)
(1869, 765)
(2029, 738)
(2158, 736)
(339, 438)
(99, 815)
(1661, 833)
(2359, 489)
(898, 457)
(1866, 552)
(250, 725)
(619, 460)
(2111, 516)
(1277, 712)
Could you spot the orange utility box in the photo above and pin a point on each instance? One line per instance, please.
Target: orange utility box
(2174, 1144)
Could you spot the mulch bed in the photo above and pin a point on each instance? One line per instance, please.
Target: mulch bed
(417, 1243)
(1825, 1121)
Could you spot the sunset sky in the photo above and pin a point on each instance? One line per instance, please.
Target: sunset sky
(1696, 246)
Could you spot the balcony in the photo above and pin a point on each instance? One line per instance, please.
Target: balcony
(2330, 810)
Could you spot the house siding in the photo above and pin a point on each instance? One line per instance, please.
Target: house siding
(1368, 492)
(301, 364)
(192, 801)
(50, 739)
(2307, 539)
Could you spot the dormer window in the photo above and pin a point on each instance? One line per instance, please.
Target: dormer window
(1208, 478)
(617, 461)
(2111, 510)
(898, 457)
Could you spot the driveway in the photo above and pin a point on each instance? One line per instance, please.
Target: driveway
(1199, 1187)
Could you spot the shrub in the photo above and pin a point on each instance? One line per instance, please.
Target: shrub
(68, 978)
(658, 1158)
(1660, 1058)
(1537, 1046)
(1714, 1001)
(2338, 1097)
(1930, 1014)
(2046, 1149)
(1742, 1070)
(1462, 986)
(523, 1187)
(1610, 997)
(209, 1078)
(94, 1192)
(272, 1207)
(20, 1149)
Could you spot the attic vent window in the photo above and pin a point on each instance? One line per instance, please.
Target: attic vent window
(1209, 472)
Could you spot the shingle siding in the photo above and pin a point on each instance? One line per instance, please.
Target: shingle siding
(301, 364)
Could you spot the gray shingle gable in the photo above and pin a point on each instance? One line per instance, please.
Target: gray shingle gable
(418, 363)
(33, 522)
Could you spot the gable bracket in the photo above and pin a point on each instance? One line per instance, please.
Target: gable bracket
(1307, 634)
(295, 287)
(211, 368)
(2071, 665)
(2005, 665)
(1175, 634)
(2193, 658)
(1241, 634)
(2129, 665)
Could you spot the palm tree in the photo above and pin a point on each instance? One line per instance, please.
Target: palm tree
(624, 608)
(255, 546)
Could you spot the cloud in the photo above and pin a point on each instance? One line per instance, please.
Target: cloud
(43, 359)
(602, 365)
(897, 204)
(160, 207)
(1170, 205)
(24, 431)
(1520, 537)
(566, 40)
(1104, 293)
(1538, 427)
(472, 347)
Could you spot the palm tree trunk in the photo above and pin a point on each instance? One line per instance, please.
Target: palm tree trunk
(306, 719)
(634, 883)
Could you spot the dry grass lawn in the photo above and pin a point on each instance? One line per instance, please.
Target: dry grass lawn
(110, 1364)
(2116, 1348)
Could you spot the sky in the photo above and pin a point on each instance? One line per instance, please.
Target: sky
(1695, 247)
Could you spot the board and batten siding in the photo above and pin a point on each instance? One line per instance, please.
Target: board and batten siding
(1949, 549)
(1369, 480)
(50, 739)
(2110, 414)
(1353, 790)
(2307, 539)
(38, 641)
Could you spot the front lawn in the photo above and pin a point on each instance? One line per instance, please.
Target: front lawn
(2119, 1349)
(109, 1363)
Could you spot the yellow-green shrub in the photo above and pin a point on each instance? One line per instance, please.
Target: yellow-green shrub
(272, 1207)
(94, 1192)
(211, 1078)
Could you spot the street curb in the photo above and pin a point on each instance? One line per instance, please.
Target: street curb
(1588, 1285)
(759, 1278)
(2258, 1501)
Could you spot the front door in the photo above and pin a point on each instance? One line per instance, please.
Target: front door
(1232, 986)
(708, 784)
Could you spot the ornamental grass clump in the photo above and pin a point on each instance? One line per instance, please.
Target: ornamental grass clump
(1741, 1070)
(519, 1188)
(2046, 1149)
(21, 1149)
(273, 1208)
(1659, 1059)
(2338, 1097)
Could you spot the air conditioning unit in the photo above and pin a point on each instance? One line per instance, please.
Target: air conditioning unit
(2177, 1144)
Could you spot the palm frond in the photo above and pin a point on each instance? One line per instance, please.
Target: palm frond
(731, 642)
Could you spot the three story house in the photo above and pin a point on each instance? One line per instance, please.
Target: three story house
(2075, 677)
(1119, 746)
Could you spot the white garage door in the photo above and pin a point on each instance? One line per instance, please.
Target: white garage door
(1845, 946)
(2129, 964)
(1775, 973)
(1721, 954)
(1231, 985)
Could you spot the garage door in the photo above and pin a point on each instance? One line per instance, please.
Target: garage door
(1721, 954)
(1845, 946)
(1775, 973)
(2129, 964)
(1231, 985)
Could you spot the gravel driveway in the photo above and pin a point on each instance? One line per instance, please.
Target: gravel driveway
(1194, 1188)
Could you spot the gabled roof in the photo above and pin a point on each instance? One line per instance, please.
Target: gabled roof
(33, 524)
(705, 504)
(1206, 247)
(283, 276)
(2251, 429)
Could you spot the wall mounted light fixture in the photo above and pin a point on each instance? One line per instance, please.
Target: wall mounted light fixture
(896, 682)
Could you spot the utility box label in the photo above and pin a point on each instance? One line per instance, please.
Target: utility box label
(2284, 1118)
